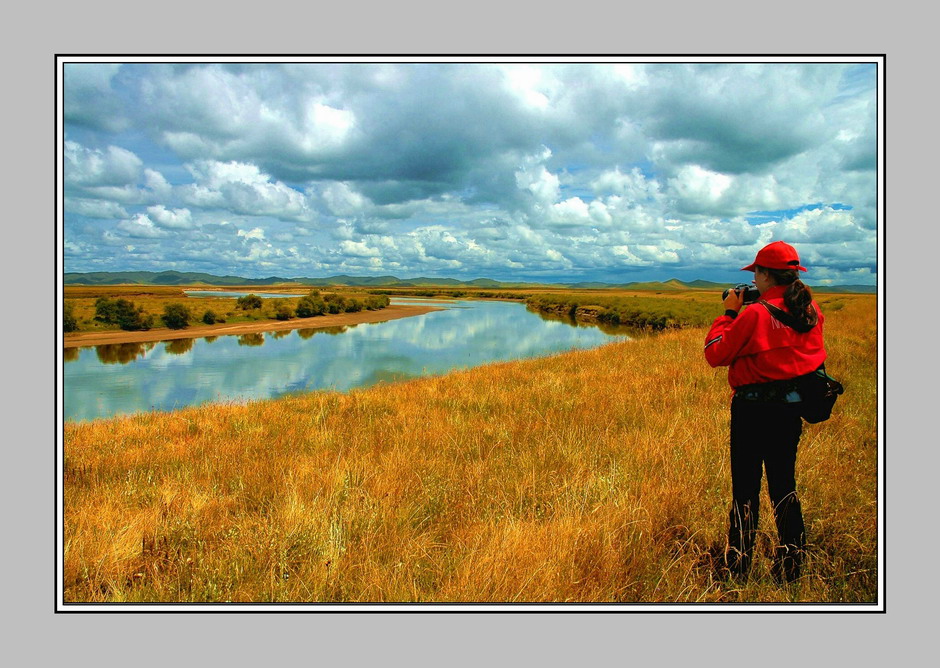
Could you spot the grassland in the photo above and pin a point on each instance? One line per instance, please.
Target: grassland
(152, 299)
(84, 326)
(591, 476)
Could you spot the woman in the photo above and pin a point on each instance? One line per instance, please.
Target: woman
(764, 355)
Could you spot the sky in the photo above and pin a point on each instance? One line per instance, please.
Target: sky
(532, 171)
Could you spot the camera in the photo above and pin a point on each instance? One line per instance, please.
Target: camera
(751, 293)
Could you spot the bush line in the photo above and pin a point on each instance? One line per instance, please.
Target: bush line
(639, 312)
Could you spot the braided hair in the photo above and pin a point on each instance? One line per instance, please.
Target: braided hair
(798, 299)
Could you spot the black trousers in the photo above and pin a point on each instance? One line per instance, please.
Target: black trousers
(765, 435)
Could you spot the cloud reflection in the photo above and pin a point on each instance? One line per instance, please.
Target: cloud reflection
(240, 367)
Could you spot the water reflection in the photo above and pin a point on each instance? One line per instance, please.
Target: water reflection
(126, 378)
(612, 330)
(251, 339)
(122, 353)
(70, 354)
(332, 331)
(179, 346)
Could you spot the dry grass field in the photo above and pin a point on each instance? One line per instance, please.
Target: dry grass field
(590, 476)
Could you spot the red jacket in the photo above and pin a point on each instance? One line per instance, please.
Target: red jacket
(758, 348)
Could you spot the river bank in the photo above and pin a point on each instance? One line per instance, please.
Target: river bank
(392, 312)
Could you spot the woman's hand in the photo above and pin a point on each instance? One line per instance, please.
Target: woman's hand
(734, 301)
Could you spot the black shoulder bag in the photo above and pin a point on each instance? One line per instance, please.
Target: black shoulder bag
(818, 390)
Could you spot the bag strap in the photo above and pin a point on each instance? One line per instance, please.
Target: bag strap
(786, 318)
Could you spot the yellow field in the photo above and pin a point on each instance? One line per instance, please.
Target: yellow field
(597, 475)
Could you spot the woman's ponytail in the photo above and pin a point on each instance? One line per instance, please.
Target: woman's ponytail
(797, 298)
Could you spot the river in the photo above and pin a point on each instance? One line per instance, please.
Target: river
(118, 379)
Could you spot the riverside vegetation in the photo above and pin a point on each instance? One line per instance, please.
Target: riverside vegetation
(590, 476)
(641, 309)
(132, 308)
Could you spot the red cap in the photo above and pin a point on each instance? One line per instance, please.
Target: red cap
(778, 255)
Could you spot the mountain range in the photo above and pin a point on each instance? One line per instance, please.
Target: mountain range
(197, 278)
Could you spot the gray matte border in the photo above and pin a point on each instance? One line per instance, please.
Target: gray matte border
(801, 27)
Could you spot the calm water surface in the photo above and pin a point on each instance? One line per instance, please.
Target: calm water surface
(102, 381)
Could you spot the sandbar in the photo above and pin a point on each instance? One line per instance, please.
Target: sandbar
(393, 312)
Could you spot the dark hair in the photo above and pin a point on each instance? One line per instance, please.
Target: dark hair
(797, 298)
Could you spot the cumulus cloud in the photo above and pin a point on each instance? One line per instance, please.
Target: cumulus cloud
(358, 249)
(95, 208)
(242, 188)
(90, 98)
(581, 169)
(624, 255)
(738, 118)
(572, 213)
(170, 218)
(256, 234)
(140, 226)
(634, 186)
(341, 200)
(532, 86)
(157, 185)
(113, 166)
(823, 226)
(534, 178)
(698, 189)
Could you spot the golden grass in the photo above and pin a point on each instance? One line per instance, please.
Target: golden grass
(597, 475)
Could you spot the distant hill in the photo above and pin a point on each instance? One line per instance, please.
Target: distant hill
(865, 289)
(706, 285)
(163, 278)
(343, 279)
(196, 278)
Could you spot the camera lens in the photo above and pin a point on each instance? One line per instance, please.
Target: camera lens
(751, 293)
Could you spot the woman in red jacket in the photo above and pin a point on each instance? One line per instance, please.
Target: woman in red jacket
(764, 356)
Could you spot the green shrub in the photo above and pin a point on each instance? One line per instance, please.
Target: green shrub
(656, 313)
(249, 302)
(122, 313)
(176, 316)
(283, 312)
(209, 317)
(105, 310)
(376, 302)
(69, 321)
(310, 306)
